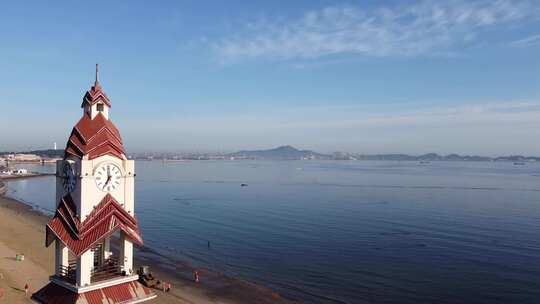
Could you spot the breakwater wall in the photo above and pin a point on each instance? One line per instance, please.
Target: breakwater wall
(3, 188)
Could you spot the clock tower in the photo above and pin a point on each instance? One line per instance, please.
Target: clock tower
(94, 227)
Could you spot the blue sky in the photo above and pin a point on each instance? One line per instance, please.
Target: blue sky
(359, 76)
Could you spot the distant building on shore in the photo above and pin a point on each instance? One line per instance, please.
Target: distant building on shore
(15, 172)
(20, 157)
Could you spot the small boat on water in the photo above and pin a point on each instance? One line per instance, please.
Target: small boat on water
(519, 163)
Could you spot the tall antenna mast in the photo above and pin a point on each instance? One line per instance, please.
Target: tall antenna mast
(97, 73)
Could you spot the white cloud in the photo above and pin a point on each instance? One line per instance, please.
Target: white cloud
(405, 30)
(343, 117)
(526, 42)
(474, 115)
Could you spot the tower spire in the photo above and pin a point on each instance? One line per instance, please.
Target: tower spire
(97, 74)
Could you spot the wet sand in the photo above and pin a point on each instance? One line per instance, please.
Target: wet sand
(22, 230)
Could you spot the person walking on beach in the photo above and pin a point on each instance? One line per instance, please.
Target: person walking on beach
(26, 287)
(196, 276)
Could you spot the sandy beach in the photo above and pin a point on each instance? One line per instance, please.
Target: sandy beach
(22, 231)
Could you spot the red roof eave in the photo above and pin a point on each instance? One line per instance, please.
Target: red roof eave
(94, 138)
(106, 218)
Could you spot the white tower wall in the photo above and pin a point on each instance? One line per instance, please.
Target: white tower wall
(61, 257)
(85, 263)
(86, 196)
(126, 253)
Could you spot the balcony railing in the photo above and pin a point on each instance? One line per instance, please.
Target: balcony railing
(68, 273)
(108, 270)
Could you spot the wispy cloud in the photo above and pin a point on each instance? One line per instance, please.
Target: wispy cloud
(473, 115)
(526, 42)
(406, 30)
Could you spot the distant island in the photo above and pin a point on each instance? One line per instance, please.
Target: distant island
(289, 152)
(449, 157)
(286, 152)
(282, 152)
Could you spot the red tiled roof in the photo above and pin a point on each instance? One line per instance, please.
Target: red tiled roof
(106, 218)
(122, 293)
(95, 137)
(95, 95)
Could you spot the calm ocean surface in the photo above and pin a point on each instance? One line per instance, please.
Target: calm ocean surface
(345, 232)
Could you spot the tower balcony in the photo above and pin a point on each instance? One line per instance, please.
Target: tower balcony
(108, 273)
(110, 268)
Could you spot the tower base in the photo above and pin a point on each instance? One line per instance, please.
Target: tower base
(125, 293)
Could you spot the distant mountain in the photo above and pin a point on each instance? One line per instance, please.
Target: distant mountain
(517, 158)
(283, 152)
(289, 152)
(59, 153)
(449, 157)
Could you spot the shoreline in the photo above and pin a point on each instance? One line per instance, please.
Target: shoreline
(20, 218)
(29, 175)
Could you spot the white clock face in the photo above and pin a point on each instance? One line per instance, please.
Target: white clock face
(69, 178)
(108, 177)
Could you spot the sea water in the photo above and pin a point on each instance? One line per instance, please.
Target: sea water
(344, 231)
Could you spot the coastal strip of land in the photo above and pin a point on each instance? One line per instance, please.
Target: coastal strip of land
(24, 176)
(22, 232)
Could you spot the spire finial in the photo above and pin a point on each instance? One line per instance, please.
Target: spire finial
(97, 73)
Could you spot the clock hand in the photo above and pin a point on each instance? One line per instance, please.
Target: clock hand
(108, 175)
